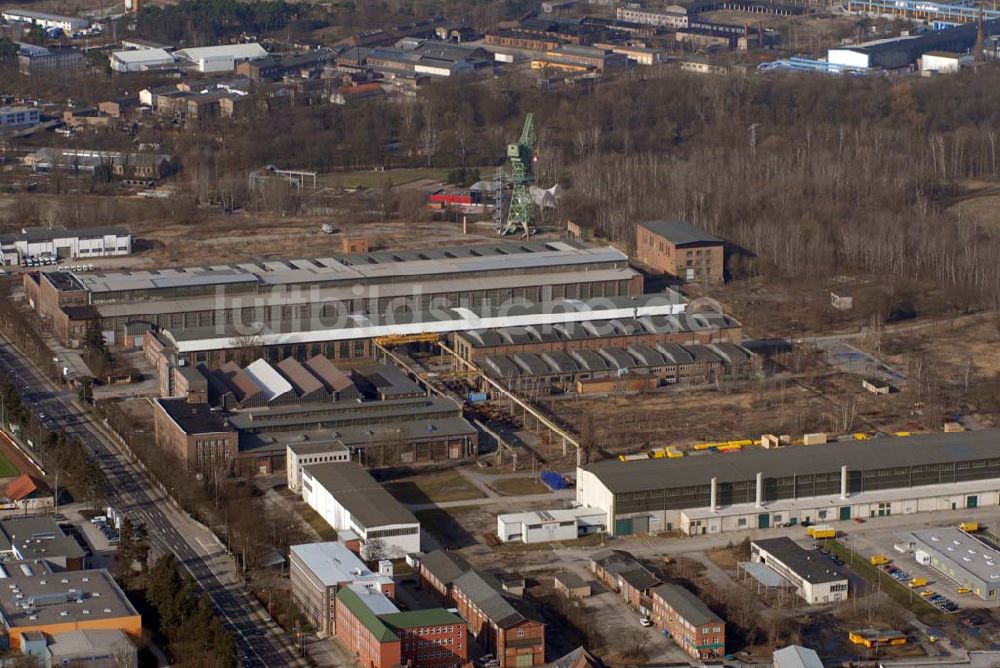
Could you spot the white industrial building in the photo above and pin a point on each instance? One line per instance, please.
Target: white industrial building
(760, 488)
(815, 578)
(221, 58)
(60, 243)
(542, 526)
(964, 558)
(349, 499)
(944, 62)
(300, 455)
(140, 60)
(68, 24)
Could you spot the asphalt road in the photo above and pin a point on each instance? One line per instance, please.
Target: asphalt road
(259, 640)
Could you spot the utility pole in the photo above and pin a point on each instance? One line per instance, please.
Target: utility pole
(753, 139)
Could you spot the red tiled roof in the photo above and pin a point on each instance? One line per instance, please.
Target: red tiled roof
(22, 487)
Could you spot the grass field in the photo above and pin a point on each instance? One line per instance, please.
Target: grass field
(7, 468)
(519, 486)
(369, 178)
(433, 488)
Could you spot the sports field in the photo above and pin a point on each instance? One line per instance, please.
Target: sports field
(7, 468)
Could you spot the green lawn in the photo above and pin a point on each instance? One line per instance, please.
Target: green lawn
(433, 488)
(369, 178)
(7, 468)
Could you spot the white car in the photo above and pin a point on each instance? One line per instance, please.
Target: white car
(645, 621)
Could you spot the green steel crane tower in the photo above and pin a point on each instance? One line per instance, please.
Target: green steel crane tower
(516, 215)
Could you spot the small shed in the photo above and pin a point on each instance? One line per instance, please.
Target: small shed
(876, 385)
(577, 230)
(841, 300)
(513, 585)
(572, 585)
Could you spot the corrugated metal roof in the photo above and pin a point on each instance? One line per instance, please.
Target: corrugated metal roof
(870, 455)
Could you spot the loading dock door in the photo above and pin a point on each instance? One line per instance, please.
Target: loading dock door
(763, 521)
(845, 512)
(623, 527)
(640, 525)
(972, 502)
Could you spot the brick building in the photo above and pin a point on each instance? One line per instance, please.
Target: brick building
(505, 626)
(693, 627)
(194, 433)
(625, 574)
(380, 636)
(438, 572)
(678, 248)
(520, 39)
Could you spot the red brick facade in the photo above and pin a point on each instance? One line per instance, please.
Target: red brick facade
(701, 261)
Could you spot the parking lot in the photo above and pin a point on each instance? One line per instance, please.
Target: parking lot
(940, 590)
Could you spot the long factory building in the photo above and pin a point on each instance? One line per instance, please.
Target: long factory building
(305, 291)
(352, 336)
(760, 488)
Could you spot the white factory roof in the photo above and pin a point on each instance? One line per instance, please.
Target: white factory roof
(235, 51)
(795, 656)
(442, 321)
(359, 267)
(27, 14)
(133, 56)
(267, 379)
(332, 562)
(554, 515)
(965, 551)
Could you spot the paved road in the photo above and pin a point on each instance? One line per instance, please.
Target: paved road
(259, 640)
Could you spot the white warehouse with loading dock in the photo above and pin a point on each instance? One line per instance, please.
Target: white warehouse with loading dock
(759, 488)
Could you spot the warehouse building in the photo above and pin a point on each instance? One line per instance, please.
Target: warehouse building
(220, 58)
(673, 16)
(759, 488)
(964, 558)
(688, 621)
(255, 423)
(815, 578)
(68, 24)
(683, 328)
(901, 53)
(18, 117)
(438, 572)
(58, 243)
(140, 60)
(637, 368)
(543, 526)
(350, 291)
(316, 571)
(349, 499)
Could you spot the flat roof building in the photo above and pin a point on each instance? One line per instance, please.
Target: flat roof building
(67, 601)
(964, 558)
(758, 488)
(63, 244)
(348, 498)
(815, 578)
(318, 570)
(40, 538)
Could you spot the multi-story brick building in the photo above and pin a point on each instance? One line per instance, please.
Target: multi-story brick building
(681, 249)
(625, 574)
(317, 571)
(503, 625)
(521, 39)
(692, 625)
(380, 636)
(196, 434)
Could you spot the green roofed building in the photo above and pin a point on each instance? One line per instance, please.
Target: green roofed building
(380, 636)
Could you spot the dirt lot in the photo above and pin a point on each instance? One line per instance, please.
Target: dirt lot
(433, 488)
(682, 417)
(519, 486)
